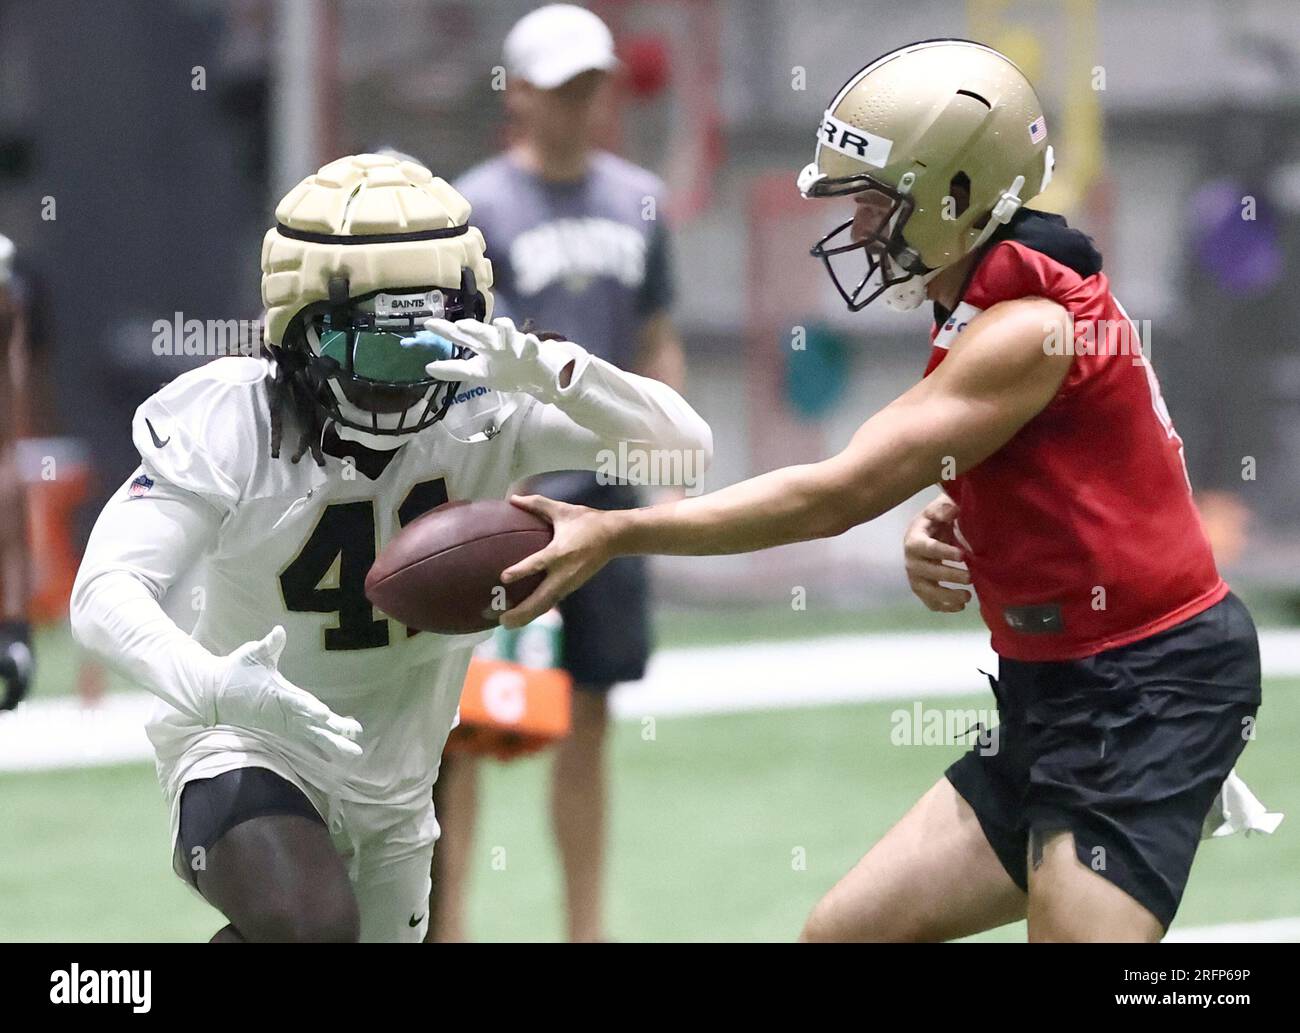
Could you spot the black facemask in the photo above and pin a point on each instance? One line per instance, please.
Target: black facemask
(358, 347)
(889, 260)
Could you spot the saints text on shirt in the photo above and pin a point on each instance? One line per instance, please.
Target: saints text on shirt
(577, 250)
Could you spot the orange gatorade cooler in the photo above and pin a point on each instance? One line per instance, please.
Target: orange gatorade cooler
(515, 700)
(56, 475)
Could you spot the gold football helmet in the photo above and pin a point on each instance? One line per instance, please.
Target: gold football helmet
(917, 127)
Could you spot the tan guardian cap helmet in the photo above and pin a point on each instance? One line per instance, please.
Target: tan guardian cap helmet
(362, 252)
(909, 127)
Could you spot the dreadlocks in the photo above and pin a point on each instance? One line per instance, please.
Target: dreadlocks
(289, 390)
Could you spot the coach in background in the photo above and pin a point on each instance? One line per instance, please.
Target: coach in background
(578, 245)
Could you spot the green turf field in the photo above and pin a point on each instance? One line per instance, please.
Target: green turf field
(707, 818)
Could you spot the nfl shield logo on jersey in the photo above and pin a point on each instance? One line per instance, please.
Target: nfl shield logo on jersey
(140, 486)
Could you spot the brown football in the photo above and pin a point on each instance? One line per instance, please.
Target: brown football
(442, 572)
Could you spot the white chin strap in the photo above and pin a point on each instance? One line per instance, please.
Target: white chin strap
(905, 296)
(378, 442)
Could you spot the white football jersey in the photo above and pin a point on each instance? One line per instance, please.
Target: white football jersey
(290, 544)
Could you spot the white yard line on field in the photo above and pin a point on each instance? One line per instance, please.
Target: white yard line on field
(45, 734)
(844, 669)
(59, 732)
(1272, 930)
(809, 672)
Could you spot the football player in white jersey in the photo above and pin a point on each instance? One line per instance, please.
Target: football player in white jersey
(298, 731)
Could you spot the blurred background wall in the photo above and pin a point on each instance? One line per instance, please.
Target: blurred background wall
(143, 145)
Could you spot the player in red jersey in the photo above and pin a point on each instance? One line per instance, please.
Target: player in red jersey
(1128, 674)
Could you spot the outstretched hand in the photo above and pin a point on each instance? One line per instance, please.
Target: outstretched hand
(579, 548)
(250, 692)
(504, 358)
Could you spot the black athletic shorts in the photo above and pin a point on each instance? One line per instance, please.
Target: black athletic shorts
(211, 807)
(1127, 749)
(606, 636)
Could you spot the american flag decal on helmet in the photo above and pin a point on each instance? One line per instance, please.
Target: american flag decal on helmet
(1038, 129)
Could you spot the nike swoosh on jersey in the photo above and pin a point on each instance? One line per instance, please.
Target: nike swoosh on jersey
(157, 441)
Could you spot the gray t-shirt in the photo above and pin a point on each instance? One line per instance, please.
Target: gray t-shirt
(587, 259)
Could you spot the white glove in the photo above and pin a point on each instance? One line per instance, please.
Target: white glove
(249, 692)
(505, 358)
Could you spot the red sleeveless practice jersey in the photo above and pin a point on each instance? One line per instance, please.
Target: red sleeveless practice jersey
(1080, 531)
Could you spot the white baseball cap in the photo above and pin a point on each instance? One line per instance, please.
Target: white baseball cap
(549, 46)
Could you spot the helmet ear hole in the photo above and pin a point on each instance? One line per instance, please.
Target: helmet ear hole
(959, 191)
(474, 301)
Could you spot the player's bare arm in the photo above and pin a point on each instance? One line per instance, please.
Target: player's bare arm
(998, 377)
